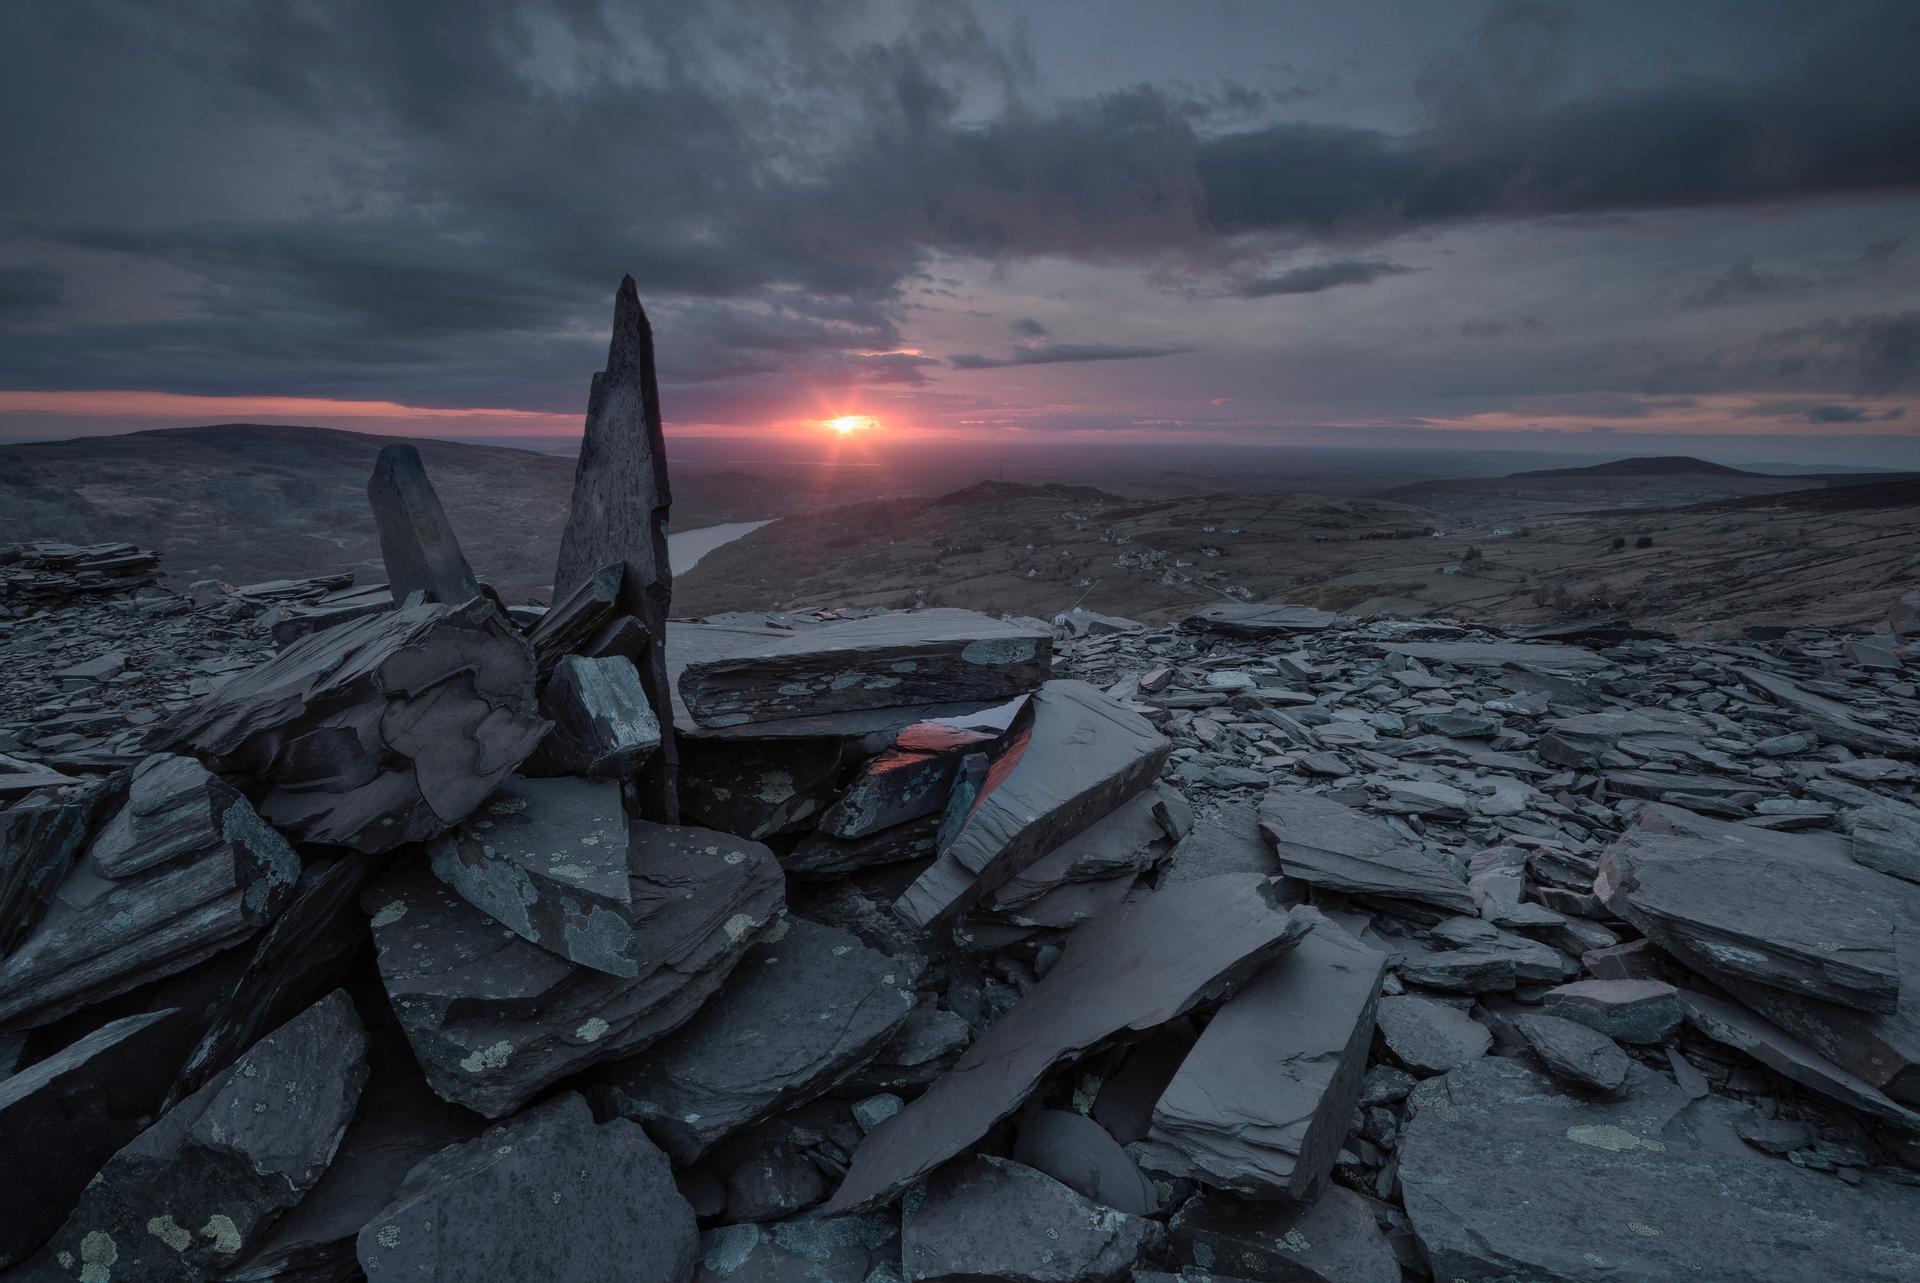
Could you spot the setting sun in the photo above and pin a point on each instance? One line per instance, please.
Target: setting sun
(848, 424)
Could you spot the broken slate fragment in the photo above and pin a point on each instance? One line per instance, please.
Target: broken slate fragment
(1073, 754)
(1334, 847)
(988, 1218)
(1334, 1239)
(494, 1020)
(548, 1195)
(803, 1007)
(1256, 620)
(884, 661)
(417, 541)
(1181, 945)
(1430, 1037)
(1574, 1053)
(40, 838)
(189, 1196)
(602, 724)
(1262, 1102)
(910, 780)
(806, 1249)
(547, 859)
(1636, 1011)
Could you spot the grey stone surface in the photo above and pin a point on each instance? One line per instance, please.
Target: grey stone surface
(1333, 1239)
(1430, 1037)
(621, 501)
(417, 542)
(1647, 1187)
(1073, 755)
(1182, 944)
(1227, 840)
(494, 1019)
(987, 1218)
(806, 1249)
(1575, 1054)
(1262, 1102)
(1262, 620)
(803, 1007)
(548, 1195)
(602, 723)
(884, 661)
(547, 859)
(777, 1181)
(380, 732)
(1332, 846)
(191, 1195)
(1078, 1152)
(1636, 1011)
(1733, 1026)
(40, 839)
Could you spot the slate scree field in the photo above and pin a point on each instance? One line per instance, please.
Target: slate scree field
(398, 932)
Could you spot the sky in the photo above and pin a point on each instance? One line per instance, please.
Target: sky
(1684, 226)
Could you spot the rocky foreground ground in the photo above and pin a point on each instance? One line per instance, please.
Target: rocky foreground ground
(1274, 945)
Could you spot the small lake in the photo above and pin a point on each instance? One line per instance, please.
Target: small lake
(685, 548)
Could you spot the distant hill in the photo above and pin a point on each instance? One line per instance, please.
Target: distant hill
(245, 502)
(1653, 465)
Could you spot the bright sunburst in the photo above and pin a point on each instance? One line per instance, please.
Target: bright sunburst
(848, 424)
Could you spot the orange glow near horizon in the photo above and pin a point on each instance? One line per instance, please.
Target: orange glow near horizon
(848, 424)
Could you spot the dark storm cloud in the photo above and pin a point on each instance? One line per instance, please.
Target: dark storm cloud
(1027, 327)
(1853, 414)
(1061, 353)
(1746, 283)
(1320, 276)
(27, 291)
(1877, 354)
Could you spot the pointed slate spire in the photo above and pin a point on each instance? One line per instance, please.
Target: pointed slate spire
(619, 517)
(416, 539)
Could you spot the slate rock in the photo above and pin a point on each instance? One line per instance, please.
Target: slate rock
(602, 723)
(1072, 755)
(1183, 944)
(494, 1020)
(548, 860)
(806, 1249)
(1886, 838)
(1574, 1053)
(1636, 1011)
(1078, 1152)
(192, 1194)
(803, 1007)
(183, 870)
(1430, 1037)
(1262, 1102)
(1627, 1189)
(380, 732)
(775, 1182)
(1124, 1104)
(1257, 620)
(41, 837)
(1829, 719)
(910, 780)
(547, 1195)
(1333, 1239)
(64, 1116)
(1332, 846)
(1227, 840)
(988, 1218)
(571, 625)
(897, 659)
(417, 542)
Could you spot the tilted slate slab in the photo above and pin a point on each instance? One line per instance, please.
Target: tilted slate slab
(1072, 755)
(40, 839)
(417, 543)
(154, 894)
(1177, 947)
(547, 1195)
(1830, 719)
(803, 1008)
(547, 859)
(885, 661)
(1332, 846)
(912, 779)
(1811, 926)
(494, 1020)
(1262, 1103)
(195, 1192)
(1254, 620)
(380, 732)
(1506, 1175)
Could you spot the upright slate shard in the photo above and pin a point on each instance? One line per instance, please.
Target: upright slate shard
(1072, 755)
(61, 1118)
(40, 838)
(183, 870)
(494, 1020)
(1178, 947)
(621, 499)
(987, 1218)
(602, 723)
(1329, 845)
(548, 1195)
(547, 859)
(883, 661)
(194, 1193)
(803, 1007)
(1652, 1186)
(1262, 1102)
(417, 541)
(380, 732)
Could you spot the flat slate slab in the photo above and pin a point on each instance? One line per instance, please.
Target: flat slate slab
(1179, 946)
(1332, 846)
(1430, 1037)
(1827, 718)
(1535, 656)
(1652, 1186)
(1262, 1103)
(988, 1218)
(1254, 620)
(804, 1006)
(549, 1195)
(547, 859)
(1811, 926)
(885, 661)
(494, 1020)
(1073, 755)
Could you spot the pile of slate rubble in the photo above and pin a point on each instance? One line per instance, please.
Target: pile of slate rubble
(435, 940)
